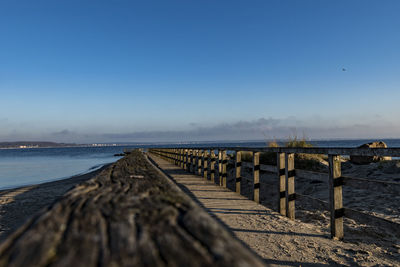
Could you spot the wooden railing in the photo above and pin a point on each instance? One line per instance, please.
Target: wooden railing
(195, 160)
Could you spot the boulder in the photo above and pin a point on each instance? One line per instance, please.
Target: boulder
(370, 159)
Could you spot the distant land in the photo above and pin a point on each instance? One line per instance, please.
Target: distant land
(30, 144)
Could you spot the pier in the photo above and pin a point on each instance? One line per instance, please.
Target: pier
(192, 207)
(204, 162)
(128, 215)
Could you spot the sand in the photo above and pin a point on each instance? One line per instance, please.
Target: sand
(375, 241)
(19, 204)
(279, 240)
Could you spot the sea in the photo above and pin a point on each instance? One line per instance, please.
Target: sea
(27, 166)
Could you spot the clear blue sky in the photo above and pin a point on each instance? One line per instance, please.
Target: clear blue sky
(119, 70)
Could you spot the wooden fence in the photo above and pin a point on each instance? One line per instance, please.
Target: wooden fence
(196, 159)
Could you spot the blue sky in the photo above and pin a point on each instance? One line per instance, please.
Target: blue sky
(118, 71)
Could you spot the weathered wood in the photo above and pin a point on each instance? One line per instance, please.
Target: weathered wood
(223, 169)
(281, 183)
(393, 152)
(335, 197)
(182, 158)
(199, 161)
(185, 159)
(205, 165)
(189, 163)
(290, 191)
(220, 167)
(256, 177)
(193, 163)
(129, 215)
(212, 166)
(238, 169)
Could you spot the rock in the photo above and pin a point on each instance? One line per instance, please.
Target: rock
(370, 159)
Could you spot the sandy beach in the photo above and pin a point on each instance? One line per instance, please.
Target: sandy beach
(17, 205)
(379, 201)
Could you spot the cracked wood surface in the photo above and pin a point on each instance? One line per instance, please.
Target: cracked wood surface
(130, 214)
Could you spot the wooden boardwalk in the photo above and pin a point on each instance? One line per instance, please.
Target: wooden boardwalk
(275, 238)
(130, 214)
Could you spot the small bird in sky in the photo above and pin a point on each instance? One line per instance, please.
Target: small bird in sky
(343, 69)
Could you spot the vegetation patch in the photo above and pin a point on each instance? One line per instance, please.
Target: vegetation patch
(314, 162)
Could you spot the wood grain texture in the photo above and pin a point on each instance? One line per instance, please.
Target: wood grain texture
(128, 215)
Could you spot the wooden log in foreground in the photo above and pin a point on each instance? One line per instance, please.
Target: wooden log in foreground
(128, 215)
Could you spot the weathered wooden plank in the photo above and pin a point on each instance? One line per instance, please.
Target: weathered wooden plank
(256, 177)
(205, 165)
(182, 151)
(290, 183)
(129, 215)
(336, 197)
(193, 163)
(220, 167)
(185, 159)
(281, 183)
(212, 166)
(393, 152)
(223, 169)
(199, 161)
(238, 170)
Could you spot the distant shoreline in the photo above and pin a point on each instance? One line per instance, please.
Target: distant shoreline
(88, 145)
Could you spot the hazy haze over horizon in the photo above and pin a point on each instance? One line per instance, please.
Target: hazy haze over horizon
(127, 71)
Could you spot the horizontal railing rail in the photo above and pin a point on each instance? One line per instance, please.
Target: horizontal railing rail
(202, 161)
(353, 151)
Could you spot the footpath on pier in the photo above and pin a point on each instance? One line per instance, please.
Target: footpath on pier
(277, 239)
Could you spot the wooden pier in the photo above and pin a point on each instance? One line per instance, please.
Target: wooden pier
(285, 172)
(131, 214)
(279, 240)
(136, 213)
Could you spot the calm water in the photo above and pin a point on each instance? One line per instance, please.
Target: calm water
(30, 166)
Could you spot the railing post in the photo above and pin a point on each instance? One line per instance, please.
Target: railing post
(185, 154)
(199, 163)
(238, 168)
(179, 157)
(336, 197)
(196, 161)
(290, 193)
(220, 167)
(223, 174)
(182, 158)
(256, 176)
(280, 164)
(205, 163)
(194, 152)
(212, 165)
(190, 160)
